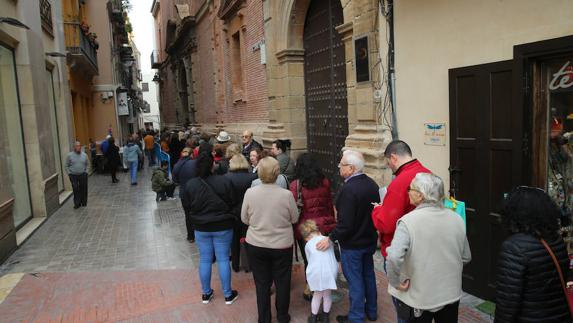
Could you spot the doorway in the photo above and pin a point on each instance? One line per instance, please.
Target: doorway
(325, 85)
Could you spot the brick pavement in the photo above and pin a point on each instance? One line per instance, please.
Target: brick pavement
(125, 258)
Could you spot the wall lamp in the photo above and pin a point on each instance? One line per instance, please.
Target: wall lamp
(13, 21)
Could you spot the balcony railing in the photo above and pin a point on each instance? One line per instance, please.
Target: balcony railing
(79, 46)
(46, 16)
(155, 63)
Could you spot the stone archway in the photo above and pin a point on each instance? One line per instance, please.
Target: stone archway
(285, 70)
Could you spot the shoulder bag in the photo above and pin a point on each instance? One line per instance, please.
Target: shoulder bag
(567, 290)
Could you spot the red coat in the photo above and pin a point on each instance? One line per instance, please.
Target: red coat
(396, 202)
(317, 206)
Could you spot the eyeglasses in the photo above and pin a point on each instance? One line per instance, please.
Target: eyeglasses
(246, 136)
(412, 190)
(342, 165)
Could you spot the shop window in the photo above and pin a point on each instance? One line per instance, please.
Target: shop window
(557, 94)
(237, 66)
(14, 174)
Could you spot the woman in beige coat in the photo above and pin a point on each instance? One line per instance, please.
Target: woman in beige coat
(270, 212)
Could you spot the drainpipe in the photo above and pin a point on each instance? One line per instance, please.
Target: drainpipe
(391, 68)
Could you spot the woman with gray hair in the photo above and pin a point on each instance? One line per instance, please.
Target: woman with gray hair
(427, 255)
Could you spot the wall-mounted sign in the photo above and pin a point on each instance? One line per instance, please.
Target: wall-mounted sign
(122, 107)
(435, 133)
(361, 59)
(563, 79)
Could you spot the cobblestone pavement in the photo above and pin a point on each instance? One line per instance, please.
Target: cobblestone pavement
(124, 258)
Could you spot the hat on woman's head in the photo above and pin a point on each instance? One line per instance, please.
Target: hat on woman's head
(223, 137)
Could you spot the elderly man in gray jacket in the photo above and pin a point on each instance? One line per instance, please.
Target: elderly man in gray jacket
(77, 169)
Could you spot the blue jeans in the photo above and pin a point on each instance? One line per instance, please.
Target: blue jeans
(214, 244)
(133, 171)
(150, 156)
(394, 300)
(358, 269)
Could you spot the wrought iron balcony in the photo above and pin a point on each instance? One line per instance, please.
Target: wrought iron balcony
(155, 63)
(82, 50)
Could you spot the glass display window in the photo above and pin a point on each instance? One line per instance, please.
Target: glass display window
(12, 150)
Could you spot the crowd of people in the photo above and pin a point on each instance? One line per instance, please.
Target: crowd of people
(249, 208)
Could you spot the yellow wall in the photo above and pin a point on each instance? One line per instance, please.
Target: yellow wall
(434, 36)
(102, 115)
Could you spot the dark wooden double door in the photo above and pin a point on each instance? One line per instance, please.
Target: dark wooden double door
(486, 161)
(325, 85)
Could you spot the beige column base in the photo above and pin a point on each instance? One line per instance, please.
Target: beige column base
(371, 140)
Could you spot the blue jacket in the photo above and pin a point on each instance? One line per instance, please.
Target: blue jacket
(132, 152)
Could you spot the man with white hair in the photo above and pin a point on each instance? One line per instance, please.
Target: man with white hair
(77, 169)
(357, 236)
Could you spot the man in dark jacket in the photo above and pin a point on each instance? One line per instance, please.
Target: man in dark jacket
(184, 170)
(249, 143)
(357, 236)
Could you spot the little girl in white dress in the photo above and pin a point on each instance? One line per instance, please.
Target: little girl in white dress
(321, 271)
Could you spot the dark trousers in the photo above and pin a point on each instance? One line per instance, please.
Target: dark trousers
(358, 269)
(188, 223)
(239, 230)
(271, 266)
(113, 171)
(80, 189)
(166, 192)
(448, 314)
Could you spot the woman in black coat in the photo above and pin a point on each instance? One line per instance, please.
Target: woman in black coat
(528, 284)
(211, 200)
(113, 159)
(241, 179)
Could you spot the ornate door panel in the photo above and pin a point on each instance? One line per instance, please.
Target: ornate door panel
(325, 85)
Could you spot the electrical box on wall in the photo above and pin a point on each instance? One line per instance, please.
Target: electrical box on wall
(361, 59)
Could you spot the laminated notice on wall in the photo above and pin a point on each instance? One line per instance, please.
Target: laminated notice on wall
(435, 134)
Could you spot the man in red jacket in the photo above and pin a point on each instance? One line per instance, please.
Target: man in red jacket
(396, 202)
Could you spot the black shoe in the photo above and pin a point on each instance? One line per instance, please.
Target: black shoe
(207, 297)
(324, 318)
(190, 240)
(313, 318)
(231, 299)
(342, 318)
(372, 318)
(76, 206)
(134, 183)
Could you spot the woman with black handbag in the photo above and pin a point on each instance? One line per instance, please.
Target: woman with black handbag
(528, 284)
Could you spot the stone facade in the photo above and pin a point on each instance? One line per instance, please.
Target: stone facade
(36, 115)
(212, 72)
(247, 67)
(285, 20)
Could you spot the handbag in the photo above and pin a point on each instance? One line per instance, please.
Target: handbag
(567, 290)
(457, 206)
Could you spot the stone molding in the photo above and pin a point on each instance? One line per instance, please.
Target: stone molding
(290, 55)
(345, 30)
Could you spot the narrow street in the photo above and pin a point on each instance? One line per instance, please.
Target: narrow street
(124, 258)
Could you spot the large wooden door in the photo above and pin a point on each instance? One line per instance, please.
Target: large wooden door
(325, 85)
(485, 161)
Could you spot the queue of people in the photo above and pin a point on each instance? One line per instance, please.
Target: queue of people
(424, 245)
